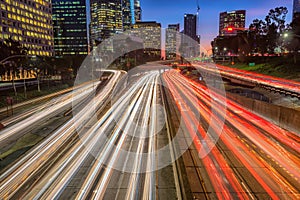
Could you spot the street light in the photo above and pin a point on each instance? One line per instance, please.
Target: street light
(285, 35)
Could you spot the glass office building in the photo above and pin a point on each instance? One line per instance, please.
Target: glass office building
(70, 27)
(106, 19)
(235, 20)
(30, 23)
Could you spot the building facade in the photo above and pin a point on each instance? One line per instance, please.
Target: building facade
(131, 13)
(172, 40)
(296, 6)
(231, 22)
(296, 9)
(106, 19)
(190, 26)
(70, 27)
(28, 22)
(150, 33)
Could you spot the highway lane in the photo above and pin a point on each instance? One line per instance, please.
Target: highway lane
(251, 152)
(16, 176)
(94, 138)
(65, 95)
(43, 112)
(259, 79)
(32, 104)
(262, 148)
(130, 124)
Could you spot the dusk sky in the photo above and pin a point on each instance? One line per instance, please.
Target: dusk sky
(172, 11)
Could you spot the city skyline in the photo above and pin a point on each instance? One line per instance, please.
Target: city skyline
(209, 13)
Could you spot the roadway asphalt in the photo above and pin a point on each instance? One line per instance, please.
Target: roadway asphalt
(248, 157)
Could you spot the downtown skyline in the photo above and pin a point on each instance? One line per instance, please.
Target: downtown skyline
(167, 12)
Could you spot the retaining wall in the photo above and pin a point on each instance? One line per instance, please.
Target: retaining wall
(284, 117)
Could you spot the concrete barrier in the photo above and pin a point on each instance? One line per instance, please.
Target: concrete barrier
(284, 117)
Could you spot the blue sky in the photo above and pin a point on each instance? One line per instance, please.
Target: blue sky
(172, 11)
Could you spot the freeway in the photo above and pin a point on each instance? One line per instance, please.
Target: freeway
(283, 85)
(16, 175)
(112, 147)
(265, 154)
(111, 158)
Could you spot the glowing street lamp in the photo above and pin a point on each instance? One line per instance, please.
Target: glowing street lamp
(285, 35)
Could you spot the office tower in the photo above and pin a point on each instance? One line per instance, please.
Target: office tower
(70, 27)
(296, 6)
(106, 19)
(30, 23)
(137, 11)
(172, 40)
(190, 26)
(131, 12)
(296, 9)
(150, 33)
(231, 22)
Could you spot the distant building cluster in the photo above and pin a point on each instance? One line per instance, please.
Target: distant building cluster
(66, 27)
(60, 27)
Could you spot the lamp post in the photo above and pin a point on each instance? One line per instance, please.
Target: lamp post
(295, 50)
(286, 35)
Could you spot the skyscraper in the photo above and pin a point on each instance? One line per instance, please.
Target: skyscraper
(232, 21)
(131, 12)
(296, 9)
(190, 26)
(296, 6)
(172, 40)
(29, 23)
(70, 27)
(150, 33)
(106, 19)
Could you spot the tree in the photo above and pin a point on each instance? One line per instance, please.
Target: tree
(258, 33)
(267, 33)
(9, 48)
(275, 25)
(292, 37)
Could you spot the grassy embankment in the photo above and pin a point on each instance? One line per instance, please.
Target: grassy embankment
(279, 67)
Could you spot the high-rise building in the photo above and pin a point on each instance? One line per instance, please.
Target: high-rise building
(106, 19)
(296, 9)
(296, 6)
(137, 11)
(30, 23)
(70, 27)
(172, 40)
(150, 33)
(131, 13)
(231, 22)
(190, 26)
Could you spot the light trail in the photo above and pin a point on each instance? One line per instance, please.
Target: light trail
(259, 79)
(51, 109)
(264, 173)
(15, 177)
